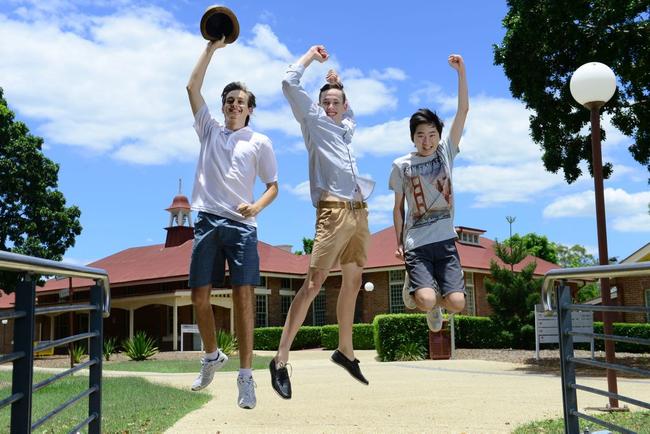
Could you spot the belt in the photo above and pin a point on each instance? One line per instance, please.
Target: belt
(346, 205)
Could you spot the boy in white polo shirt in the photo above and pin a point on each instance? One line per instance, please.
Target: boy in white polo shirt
(231, 157)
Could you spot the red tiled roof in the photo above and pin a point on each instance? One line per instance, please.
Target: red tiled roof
(383, 245)
(141, 264)
(148, 263)
(7, 300)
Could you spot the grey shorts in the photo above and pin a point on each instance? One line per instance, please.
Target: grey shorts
(435, 263)
(217, 240)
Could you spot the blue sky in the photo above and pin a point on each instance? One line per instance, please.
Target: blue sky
(103, 82)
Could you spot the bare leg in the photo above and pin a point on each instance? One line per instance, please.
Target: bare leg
(350, 286)
(298, 311)
(242, 297)
(205, 317)
(454, 302)
(425, 299)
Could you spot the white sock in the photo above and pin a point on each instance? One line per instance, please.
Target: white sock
(213, 355)
(245, 372)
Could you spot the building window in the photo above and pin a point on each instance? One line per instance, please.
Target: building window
(285, 303)
(261, 311)
(469, 238)
(395, 285)
(285, 283)
(319, 309)
(470, 303)
(647, 301)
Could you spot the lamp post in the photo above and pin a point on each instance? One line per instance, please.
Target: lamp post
(592, 85)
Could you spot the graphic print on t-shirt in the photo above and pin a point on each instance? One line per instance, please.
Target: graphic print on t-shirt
(428, 188)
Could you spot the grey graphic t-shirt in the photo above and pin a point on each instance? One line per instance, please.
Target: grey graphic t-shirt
(427, 187)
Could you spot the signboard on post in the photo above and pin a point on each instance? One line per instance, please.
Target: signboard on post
(546, 328)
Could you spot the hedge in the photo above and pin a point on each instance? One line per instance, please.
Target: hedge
(393, 330)
(362, 337)
(268, 338)
(632, 330)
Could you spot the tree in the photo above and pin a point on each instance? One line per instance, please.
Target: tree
(536, 245)
(307, 245)
(546, 41)
(513, 295)
(34, 219)
(575, 256)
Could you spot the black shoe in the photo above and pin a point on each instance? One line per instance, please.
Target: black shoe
(352, 366)
(280, 380)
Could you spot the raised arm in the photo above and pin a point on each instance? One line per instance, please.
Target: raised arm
(298, 98)
(457, 62)
(198, 74)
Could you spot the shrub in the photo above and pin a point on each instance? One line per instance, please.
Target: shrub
(410, 351)
(110, 347)
(632, 330)
(391, 331)
(226, 342)
(268, 338)
(77, 352)
(141, 347)
(480, 332)
(362, 336)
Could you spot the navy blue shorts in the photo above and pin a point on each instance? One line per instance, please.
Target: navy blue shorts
(436, 262)
(217, 240)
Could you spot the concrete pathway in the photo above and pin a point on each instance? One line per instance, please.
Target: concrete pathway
(445, 396)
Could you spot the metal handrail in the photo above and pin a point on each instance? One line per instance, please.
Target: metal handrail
(22, 263)
(595, 272)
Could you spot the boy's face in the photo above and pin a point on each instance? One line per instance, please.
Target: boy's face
(236, 109)
(426, 139)
(332, 102)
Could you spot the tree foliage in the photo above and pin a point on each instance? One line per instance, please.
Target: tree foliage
(536, 245)
(513, 295)
(34, 219)
(546, 41)
(574, 256)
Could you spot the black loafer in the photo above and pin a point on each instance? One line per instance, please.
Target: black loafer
(280, 380)
(352, 366)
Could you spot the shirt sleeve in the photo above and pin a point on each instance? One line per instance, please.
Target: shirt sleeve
(396, 181)
(299, 100)
(204, 124)
(349, 123)
(449, 149)
(267, 166)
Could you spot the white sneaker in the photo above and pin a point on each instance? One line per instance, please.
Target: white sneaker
(208, 368)
(434, 319)
(246, 386)
(407, 298)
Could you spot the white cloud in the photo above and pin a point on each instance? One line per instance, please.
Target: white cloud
(116, 84)
(629, 211)
(494, 184)
(279, 119)
(301, 190)
(389, 74)
(389, 138)
(368, 96)
(382, 202)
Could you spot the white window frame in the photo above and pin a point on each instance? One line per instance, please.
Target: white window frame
(322, 294)
(470, 289)
(393, 284)
(259, 297)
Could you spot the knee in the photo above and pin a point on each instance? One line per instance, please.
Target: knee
(425, 298)
(455, 302)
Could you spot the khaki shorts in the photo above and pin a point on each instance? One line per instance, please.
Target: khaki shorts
(342, 236)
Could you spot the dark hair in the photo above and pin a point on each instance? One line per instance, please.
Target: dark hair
(238, 85)
(425, 116)
(328, 86)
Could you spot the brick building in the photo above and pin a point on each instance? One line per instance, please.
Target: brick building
(149, 285)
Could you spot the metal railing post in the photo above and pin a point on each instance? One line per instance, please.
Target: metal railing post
(21, 410)
(569, 397)
(96, 353)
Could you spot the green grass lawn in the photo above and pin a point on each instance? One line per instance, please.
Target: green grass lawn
(638, 421)
(180, 366)
(131, 405)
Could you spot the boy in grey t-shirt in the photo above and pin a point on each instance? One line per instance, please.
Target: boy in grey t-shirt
(426, 237)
